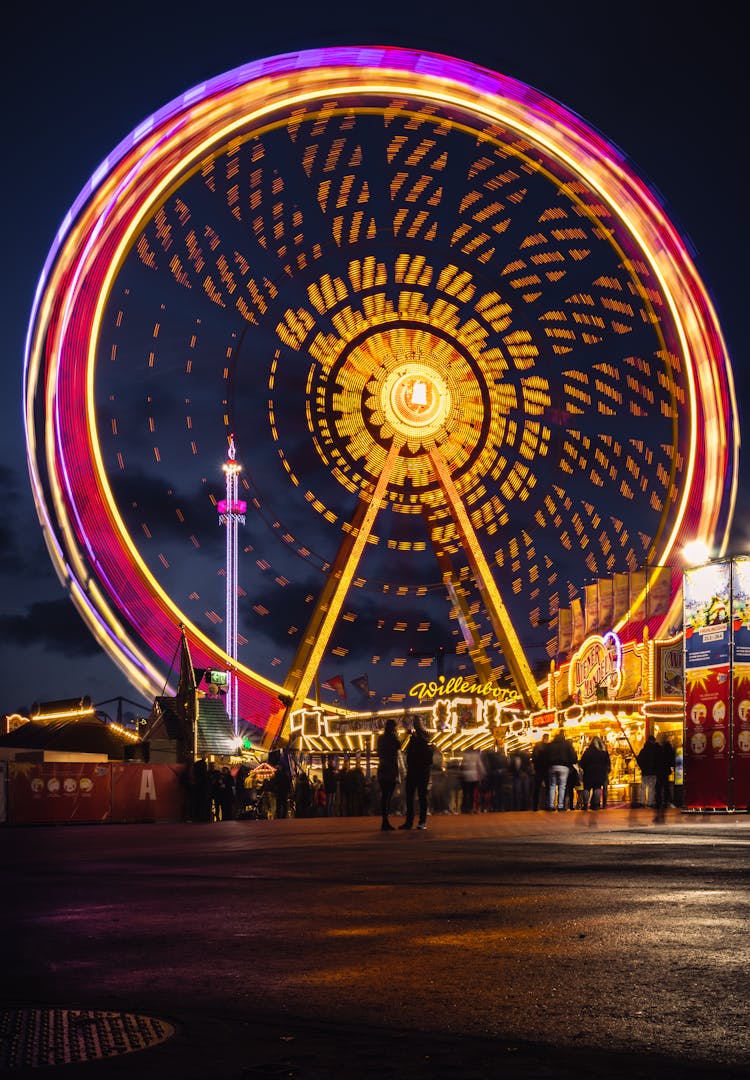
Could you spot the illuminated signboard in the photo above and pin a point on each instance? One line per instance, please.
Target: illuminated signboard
(442, 687)
(596, 670)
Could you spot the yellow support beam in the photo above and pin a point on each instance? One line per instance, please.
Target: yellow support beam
(323, 619)
(498, 613)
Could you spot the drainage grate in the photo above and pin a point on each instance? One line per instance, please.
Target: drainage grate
(32, 1038)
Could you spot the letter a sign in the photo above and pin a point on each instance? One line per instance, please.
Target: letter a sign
(148, 787)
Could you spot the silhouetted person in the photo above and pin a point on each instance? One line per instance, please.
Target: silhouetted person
(472, 774)
(596, 765)
(282, 787)
(665, 762)
(303, 795)
(418, 762)
(388, 748)
(541, 767)
(330, 786)
(355, 791)
(519, 769)
(648, 762)
(561, 756)
(226, 794)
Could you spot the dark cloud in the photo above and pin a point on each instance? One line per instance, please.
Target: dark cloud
(21, 543)
(52, 624)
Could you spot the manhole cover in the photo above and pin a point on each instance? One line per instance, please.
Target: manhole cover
(32, 1038)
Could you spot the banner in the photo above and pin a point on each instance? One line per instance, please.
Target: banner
(638, 596)
(57, 792)
(621, 586)
(591, 593)
(659, 595)
(606, 604)
(564, 629)
(576, 609)
(148, 792)
(707, 749)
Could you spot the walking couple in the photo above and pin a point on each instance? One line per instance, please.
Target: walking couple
(418, 762)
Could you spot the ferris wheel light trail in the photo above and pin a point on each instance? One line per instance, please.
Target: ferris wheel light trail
(480, 409)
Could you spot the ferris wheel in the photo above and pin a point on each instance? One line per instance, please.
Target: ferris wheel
(462, 355)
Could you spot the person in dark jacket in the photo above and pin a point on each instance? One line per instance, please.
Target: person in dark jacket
(418, 763)
(541, 768)
(648, 762)
(665, 762)
(596, 765)
(330, 786)
(560, 756)
(388, 749)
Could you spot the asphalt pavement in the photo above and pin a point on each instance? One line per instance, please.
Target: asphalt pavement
(610, 944)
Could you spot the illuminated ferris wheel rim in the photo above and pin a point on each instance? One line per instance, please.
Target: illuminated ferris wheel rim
(138, 175)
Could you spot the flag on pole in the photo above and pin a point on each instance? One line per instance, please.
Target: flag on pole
(592, 608)
(659, 595)
(576, 607)
(622, 596)
(606, 604)
(335, 684)
(638, 595)
(564, 629)
(362, 683)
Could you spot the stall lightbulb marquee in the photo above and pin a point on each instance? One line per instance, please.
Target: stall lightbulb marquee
(461, 289)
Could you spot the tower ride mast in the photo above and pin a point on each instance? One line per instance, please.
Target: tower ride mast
(232, 514)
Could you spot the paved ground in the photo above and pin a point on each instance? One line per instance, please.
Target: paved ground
(534, 945)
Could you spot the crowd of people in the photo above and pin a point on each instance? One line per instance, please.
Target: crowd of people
(413, 779)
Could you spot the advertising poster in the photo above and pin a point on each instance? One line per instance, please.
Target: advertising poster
(58, 792)
(741, 735)
(669, 671)
(707, 745)
(706, 595)
(741, 610)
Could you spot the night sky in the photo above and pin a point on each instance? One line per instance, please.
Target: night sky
(653, 78)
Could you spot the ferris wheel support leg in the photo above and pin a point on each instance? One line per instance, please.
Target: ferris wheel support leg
(323, 619)
(496, 609)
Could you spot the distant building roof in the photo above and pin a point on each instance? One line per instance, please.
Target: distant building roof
(77, 736)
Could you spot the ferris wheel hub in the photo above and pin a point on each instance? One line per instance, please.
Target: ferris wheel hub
(416, 399)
